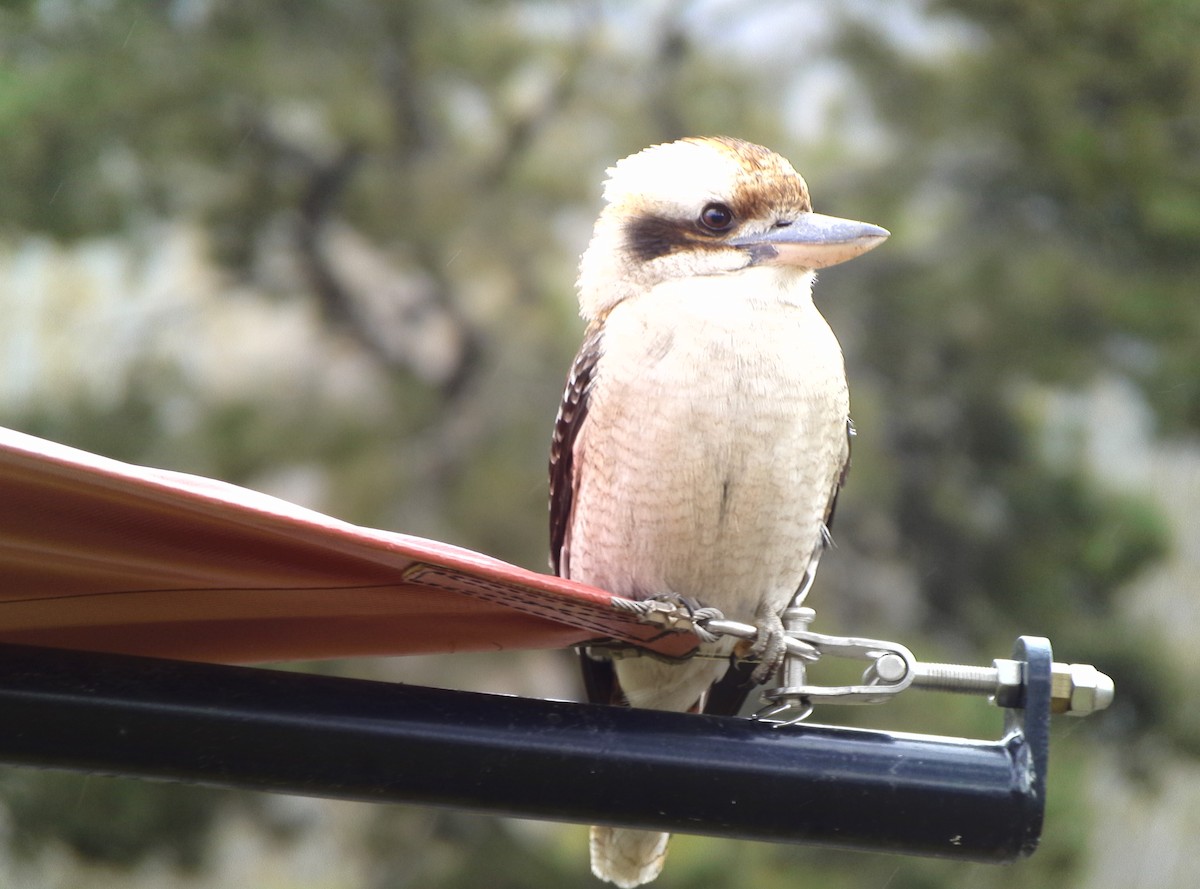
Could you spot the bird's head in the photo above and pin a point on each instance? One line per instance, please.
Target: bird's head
(708, 206)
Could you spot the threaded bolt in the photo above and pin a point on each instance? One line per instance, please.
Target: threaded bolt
(1076, 689)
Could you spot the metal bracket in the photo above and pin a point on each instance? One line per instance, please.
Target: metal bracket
(890, 668)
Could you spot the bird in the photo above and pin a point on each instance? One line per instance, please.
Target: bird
(703, 434)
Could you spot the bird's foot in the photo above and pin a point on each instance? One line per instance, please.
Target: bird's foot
(770, 646)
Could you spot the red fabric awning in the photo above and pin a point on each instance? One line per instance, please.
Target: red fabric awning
(100, 555)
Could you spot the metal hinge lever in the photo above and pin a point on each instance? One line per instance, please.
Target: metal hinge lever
(1077, 689)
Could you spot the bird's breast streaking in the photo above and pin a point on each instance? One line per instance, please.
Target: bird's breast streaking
(715, 434)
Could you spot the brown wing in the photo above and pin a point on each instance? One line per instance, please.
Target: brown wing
(841, 482)
(599, 678)
(564, 473)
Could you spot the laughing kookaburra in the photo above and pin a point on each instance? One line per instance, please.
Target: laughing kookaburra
(703, 434)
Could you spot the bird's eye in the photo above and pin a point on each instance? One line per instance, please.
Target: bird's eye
(716, 217)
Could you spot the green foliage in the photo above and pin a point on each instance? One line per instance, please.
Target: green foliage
(110, 821)
(1040, 156)
(1069, 143)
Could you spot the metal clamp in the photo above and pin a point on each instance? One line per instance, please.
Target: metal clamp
(1076, 689)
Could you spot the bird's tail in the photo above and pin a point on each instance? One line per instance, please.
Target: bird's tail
(627, 858)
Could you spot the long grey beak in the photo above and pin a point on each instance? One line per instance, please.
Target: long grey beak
(812, 241)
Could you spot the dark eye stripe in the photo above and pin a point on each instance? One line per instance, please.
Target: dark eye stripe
(650, 237)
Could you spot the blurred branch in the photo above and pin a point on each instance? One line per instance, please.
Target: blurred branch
(388, 313)
(326, 184)
(671, 51)
(413, 126)
(523, 128)
(393, 347)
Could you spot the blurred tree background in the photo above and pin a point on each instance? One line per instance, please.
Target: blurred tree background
(327, 250)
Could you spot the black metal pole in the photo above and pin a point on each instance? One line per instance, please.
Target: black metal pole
(353, 739)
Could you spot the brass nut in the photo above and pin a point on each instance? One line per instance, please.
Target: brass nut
(1079, 689)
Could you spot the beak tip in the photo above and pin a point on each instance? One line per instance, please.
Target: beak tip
(875, 236)
(866, 233)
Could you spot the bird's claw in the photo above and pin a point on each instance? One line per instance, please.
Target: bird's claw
(770, 646)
